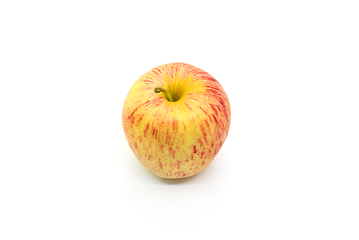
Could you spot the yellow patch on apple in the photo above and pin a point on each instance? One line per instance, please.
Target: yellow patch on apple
(176, 118)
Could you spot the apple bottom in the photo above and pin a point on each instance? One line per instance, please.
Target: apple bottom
(176, 160)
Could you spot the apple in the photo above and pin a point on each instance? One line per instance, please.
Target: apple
(176, 118)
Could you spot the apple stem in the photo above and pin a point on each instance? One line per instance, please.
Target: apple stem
(168, 96)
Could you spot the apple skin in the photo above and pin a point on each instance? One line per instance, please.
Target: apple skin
(176, 139)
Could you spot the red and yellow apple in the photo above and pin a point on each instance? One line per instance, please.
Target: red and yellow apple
(176, 118)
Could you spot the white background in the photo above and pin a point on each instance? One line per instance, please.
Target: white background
(289, 168)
